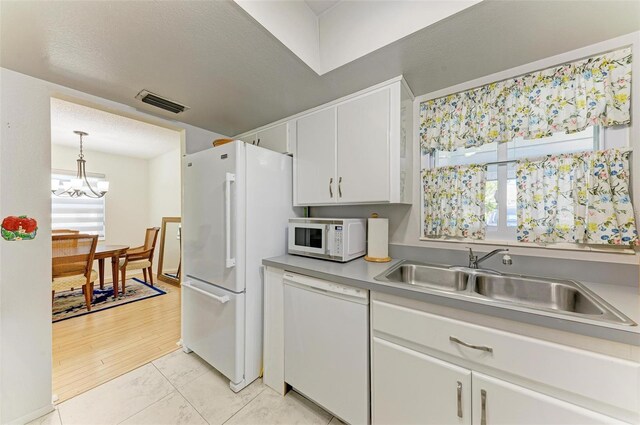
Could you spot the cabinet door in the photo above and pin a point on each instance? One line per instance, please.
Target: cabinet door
(409, 387)
(274, 138)
(250, 138)
(499, 402)
(316, 158)
(363, 149)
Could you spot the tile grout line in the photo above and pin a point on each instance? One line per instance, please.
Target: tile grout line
(59, 415)
(243, 407)
(182, 395)
(151, 404)
(180, 392)
(146, 407)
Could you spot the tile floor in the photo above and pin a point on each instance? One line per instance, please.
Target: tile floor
(181, 389)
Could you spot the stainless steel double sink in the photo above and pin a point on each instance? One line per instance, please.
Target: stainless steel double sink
(565, 297)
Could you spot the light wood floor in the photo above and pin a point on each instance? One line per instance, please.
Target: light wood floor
(92, 349)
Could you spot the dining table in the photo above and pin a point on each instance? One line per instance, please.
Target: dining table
(104, 251)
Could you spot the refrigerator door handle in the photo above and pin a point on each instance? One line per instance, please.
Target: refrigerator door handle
(222, 300)
(230, 262)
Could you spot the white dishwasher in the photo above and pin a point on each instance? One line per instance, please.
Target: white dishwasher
(326, 345)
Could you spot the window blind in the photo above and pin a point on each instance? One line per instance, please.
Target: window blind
(84, 214)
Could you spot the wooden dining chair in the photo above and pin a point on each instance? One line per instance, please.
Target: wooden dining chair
(64, 232)
(140, 257)
(72, 261)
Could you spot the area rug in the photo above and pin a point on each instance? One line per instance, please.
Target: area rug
(68, 304)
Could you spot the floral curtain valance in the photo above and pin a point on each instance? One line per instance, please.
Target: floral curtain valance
(579, 198)
(565, 98)
(454, 201)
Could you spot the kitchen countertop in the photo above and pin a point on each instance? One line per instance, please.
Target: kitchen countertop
(360, 273)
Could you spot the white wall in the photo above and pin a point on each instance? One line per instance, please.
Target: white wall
(165, 201)
(127, 203)
(25, 267)
(345, 36)
(291, 22)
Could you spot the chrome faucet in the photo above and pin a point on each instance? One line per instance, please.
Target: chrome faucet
(474, 260)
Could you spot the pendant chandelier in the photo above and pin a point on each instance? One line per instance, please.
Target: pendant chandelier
(79, 186)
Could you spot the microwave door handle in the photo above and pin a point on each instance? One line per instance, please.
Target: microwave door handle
(229, 261)
(327, 249)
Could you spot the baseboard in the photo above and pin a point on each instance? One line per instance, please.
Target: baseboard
(33, 415)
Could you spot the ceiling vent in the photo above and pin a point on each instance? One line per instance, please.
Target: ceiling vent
(161, 102)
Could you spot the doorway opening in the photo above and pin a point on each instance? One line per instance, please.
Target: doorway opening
(116, 236)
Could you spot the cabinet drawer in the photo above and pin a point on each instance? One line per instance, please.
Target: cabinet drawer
(604, 379)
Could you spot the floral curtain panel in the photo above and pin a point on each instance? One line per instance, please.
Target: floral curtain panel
(566, 98)
(454, 201)
(578, 198)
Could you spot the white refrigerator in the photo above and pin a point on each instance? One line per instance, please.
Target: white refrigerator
(237, 200)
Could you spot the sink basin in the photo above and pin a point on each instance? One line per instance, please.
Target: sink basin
(554, 295)
(427, 276)
(558, 296)
(563, 296)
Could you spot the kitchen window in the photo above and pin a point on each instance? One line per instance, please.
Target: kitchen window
(562, 130)
(84, 214)
(500, 192)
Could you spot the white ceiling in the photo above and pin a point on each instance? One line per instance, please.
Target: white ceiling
(236, 76)
(108, 132)
(320, 6)
(346, 30)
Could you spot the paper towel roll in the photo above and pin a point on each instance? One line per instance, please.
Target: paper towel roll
(378, 239)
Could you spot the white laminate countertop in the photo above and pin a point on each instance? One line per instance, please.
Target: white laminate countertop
(361, 274)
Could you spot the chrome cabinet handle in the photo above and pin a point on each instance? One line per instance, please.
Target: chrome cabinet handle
(459, 399)
(340, 187)
(483, 404)
(331, 187)
(475, 347)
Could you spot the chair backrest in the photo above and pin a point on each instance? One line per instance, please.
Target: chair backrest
(72, 254)
(150, 238)
(64, 232)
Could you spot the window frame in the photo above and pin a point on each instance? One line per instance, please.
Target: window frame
(604, 138)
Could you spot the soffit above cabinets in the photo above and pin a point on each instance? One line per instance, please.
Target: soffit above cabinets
(329, 34)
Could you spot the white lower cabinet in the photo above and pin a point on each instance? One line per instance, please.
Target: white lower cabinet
(431, 369)
(409, 387)
(499, 402)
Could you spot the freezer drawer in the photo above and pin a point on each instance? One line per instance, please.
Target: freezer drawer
(326, 340)
(213, 326)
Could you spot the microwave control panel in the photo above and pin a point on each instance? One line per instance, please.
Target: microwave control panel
(337, 246)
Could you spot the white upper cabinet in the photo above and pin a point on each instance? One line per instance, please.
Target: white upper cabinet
(354, 150)
(363, 149)
(276, 138)
(315, 164)
(370, 160)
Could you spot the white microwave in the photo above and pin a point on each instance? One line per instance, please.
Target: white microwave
(337, 239)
